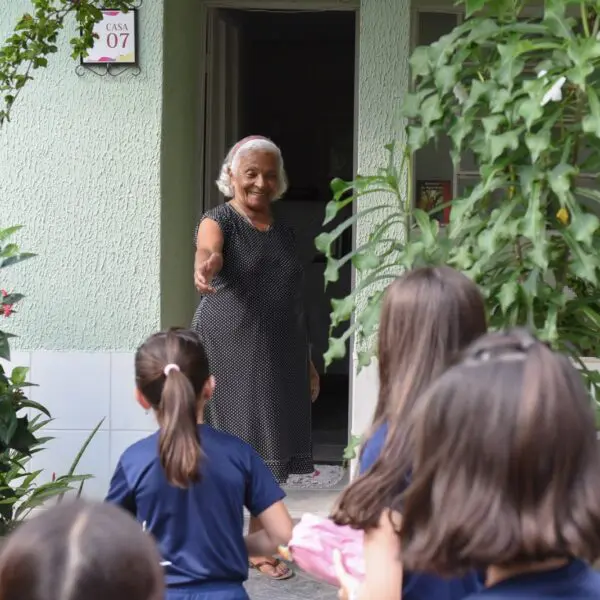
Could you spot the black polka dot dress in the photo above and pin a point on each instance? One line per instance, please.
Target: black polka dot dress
(255, 334)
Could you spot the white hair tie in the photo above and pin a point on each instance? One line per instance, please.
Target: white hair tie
(171, 367)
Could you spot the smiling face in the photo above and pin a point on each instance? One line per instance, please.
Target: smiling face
(254, 179)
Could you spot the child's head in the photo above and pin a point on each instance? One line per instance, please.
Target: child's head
(80, 551)
(428, 315)
(507, 464)
(172, 377)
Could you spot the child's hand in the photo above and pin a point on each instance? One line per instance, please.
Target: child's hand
(285, 553)
(348, 585)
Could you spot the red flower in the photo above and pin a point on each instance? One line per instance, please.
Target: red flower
(7, 309)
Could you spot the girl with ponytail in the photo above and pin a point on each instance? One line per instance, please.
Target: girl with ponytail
(189, 483)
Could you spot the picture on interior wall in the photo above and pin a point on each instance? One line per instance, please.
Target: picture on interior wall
(115, 39)
(432, 194)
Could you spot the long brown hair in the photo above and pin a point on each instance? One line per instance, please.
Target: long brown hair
(428, 315)
(174, 393)
(507, 465)
(80, 551)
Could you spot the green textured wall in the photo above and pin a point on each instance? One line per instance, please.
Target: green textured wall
(80, 168)
(105, 177)
(384, 47)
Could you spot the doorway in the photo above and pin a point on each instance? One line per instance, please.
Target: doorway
(290, 75)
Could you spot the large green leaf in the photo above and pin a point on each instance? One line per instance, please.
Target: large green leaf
(419, 61)
(561, 181)
(8, 422)
(13, 260)
(8, 232)
(584, 227)
(4, 346)
(19, 375)
(537, 143)
(500, 143)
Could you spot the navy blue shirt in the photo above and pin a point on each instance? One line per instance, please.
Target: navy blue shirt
(200, 530)
(419, 586)
(576, 581)
(372, 449)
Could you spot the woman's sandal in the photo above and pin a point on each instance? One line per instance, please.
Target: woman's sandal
(274, 563)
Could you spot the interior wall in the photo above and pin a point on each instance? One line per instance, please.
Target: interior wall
(298, 89)
(180, 155)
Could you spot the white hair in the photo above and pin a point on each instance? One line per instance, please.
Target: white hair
(232, 161)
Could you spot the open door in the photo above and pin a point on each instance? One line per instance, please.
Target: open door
(222, 113)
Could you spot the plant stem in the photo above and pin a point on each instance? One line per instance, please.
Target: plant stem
(584, 18)
(578, 117)
(409, 194)
(596, 25)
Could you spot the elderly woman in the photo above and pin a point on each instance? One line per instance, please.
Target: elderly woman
(251, 317)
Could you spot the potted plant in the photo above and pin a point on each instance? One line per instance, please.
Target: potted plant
(20, 436)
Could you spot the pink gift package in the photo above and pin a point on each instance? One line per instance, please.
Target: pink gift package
(312, 545)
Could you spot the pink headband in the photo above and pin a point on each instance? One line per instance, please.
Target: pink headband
(250, 138)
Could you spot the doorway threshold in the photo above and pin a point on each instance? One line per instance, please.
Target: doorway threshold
(317, 502)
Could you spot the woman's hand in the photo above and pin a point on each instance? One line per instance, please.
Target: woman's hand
(349, 587)
(315, 382)
(205, 272)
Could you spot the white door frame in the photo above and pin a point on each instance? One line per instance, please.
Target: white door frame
(284, 5)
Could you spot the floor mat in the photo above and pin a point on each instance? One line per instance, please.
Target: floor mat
(324, 476)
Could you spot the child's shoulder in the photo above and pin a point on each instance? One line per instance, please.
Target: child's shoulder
(577, 581)
(224, 441)
(590, 582)
(372, 447)
(144, 446)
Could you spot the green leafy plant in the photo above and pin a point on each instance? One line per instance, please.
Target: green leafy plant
(518, 94)
(20, 491)
(35, 37)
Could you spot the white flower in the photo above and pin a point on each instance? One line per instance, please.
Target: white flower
(554, 94)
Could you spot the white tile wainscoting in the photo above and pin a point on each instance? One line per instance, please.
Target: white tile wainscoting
(79, 389)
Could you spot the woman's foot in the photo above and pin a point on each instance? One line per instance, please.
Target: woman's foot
(273, 568)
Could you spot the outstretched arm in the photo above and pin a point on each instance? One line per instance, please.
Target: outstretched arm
(208, 260)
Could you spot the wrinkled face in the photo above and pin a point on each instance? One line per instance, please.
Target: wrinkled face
(255, 179)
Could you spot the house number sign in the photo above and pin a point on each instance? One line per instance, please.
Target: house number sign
(115, 39)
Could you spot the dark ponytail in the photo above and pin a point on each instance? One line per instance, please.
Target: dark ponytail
(179, 445)
(171, 371)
